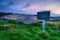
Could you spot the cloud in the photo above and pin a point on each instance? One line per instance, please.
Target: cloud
(31, 6)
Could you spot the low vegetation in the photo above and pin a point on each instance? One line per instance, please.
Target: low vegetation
(13, 30)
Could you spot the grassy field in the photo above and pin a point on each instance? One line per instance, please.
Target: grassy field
(13, 30)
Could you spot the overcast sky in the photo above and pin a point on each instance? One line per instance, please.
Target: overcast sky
(29, 6)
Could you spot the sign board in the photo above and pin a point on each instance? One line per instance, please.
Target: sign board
(45, 15)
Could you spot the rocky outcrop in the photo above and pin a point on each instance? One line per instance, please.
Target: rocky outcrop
(26, 19)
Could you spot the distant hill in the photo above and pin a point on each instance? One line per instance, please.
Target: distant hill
(57, 18)
(25, 18)
(3, 14)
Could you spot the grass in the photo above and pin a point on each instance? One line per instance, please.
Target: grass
(13, 30)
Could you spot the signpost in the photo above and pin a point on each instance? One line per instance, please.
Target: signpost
(45, 15)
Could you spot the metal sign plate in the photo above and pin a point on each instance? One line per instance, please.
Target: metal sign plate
(45, 15)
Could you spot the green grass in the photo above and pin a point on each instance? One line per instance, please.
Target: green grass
(13, 30)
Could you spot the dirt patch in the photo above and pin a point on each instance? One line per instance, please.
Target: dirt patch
(6, 28)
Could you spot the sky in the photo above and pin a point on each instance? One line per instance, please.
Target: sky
(30, 6)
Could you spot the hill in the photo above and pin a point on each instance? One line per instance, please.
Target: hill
(25, 18)
(3, 14)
